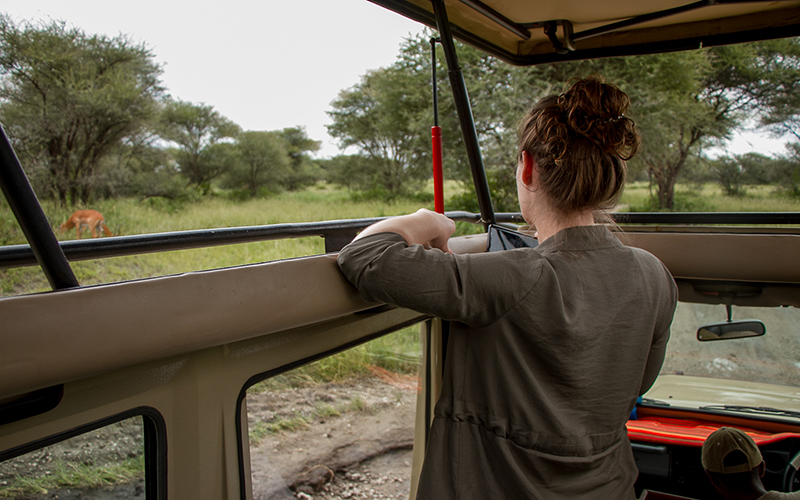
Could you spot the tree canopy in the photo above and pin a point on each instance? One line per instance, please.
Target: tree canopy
(262, 161)
(197, 129)
(68, 99)
(682, 102)
(88, 117)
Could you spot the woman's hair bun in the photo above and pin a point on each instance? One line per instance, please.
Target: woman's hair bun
(581, 140)
(596, 111)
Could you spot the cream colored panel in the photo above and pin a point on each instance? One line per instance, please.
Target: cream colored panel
(740, 257)
(61, 336)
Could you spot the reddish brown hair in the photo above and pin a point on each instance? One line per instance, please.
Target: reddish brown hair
(581, 140)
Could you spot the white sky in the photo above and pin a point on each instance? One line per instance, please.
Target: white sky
(265, 64)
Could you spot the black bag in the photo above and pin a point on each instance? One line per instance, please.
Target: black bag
(502, 238)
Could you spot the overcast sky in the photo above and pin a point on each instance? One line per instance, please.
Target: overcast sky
(264, 64)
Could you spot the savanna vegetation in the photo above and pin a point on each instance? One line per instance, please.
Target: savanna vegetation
(91, 120)
(94, 127)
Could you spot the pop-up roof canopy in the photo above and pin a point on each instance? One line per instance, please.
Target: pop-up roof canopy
(528, 32)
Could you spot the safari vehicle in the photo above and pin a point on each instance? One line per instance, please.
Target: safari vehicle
(182, 351)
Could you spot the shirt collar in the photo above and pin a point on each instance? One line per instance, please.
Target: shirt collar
(579, 238)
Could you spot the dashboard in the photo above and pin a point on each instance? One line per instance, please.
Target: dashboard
(667, 453)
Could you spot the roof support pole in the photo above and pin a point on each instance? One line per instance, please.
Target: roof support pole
(464, 110)
(31, 218)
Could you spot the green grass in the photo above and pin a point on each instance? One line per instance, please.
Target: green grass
(318, 203)
(398, 352)
(710, 198)
(65, 475)
(261, 430)
(133, 217)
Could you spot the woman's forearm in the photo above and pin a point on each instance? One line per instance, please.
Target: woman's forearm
(420, 228)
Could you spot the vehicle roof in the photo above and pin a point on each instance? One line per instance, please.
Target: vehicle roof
(514, 31)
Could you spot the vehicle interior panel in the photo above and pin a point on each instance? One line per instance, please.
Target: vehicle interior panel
(514, 31)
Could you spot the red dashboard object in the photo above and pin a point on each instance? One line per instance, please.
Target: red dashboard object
(690, 432)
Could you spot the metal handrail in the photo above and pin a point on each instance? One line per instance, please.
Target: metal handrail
(337, 233)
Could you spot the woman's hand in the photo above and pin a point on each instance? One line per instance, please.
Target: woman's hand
(423, 227)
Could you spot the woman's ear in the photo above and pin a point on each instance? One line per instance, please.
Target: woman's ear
(528, 168)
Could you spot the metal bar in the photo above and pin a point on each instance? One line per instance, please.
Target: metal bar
(601, 30)
(499, 18)
(428, 382)
(23, 202)
(755, 218)
(436, 140)
(341, 232)
(461, 98)
(22, 255)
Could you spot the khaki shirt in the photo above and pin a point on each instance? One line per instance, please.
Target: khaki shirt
(549, 349)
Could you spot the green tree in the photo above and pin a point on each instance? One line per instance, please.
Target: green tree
(380, 118)
(355, 172)
(196, 129)
(686, 101)
(262, 162)
(786, 172)
(153, 173)
(68, 100)
(682, 103)
(304, 171)
(729, 174)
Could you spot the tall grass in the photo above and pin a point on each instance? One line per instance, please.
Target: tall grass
(710, 198)
(318, 203)
(130, 216)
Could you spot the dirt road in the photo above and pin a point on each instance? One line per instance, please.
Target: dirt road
(363, 452)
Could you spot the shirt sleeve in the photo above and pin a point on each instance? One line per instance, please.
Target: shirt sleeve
(475, 289)
(658, 348)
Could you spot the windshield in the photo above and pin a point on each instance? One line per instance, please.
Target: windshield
(773, 358)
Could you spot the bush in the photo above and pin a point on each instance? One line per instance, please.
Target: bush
(381, 194)
(684, 202)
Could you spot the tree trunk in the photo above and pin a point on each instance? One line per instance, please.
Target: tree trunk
(666, 176)
(666, 192)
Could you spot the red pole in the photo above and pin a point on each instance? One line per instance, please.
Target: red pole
(438, 178)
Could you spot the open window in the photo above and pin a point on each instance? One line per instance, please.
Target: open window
(119, 457)
(340, 426)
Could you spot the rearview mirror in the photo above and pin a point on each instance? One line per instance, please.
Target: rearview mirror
(731, 330)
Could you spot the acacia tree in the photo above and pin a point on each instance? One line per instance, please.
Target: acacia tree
(196, 129)
(379, 117)
(262, 162)
(304, 171)
(68, 99)
(685, 101)
(681, 102)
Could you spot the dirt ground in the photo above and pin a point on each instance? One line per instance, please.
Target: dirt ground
(364, 452)
(102, 447)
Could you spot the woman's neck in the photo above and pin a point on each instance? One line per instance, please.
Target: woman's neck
(549, 221)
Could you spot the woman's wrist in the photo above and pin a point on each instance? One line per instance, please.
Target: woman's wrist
(420, 228)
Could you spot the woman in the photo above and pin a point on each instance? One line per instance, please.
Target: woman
(549, 347)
